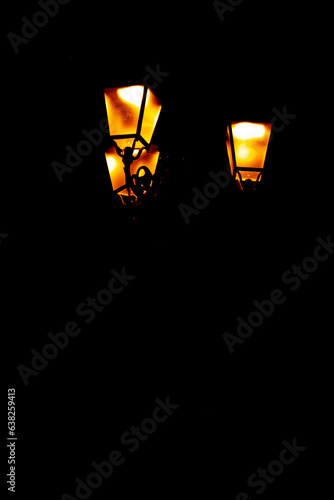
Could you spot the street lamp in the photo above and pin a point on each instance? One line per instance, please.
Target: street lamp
(132, 116)
(247, 145)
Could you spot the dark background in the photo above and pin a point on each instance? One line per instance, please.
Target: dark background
(163, 335)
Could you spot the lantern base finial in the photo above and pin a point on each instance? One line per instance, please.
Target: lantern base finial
(248, 185)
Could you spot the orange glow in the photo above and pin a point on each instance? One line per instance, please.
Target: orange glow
(123, 110)
(151, 115)
(250, 142)
(229, 151)
(249, 175)
(116, 166)
(126, 198)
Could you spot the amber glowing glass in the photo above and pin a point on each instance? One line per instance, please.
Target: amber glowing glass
(116, 166)
(247, 149)
(132, 117)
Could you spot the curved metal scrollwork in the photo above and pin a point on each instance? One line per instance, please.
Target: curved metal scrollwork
(142, 183)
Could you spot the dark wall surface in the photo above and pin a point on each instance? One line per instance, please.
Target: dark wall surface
(180, 327)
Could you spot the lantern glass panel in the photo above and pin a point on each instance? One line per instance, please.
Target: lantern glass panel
(151, 115)
(229, 151)
(123, 108)
(116, 166)
(250, 143)
(124, 112)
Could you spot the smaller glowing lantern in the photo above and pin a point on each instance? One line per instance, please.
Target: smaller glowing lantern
(247, 145)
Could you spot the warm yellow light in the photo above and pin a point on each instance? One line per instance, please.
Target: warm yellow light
(116, 166)
(132, 95)
(245, 131)
(123, 111)
(112, 163)
(151, 115)
(250, 144)
(243, 152)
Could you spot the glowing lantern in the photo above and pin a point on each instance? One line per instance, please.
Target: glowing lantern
(247, 145)
(141, 170)
(132, 115)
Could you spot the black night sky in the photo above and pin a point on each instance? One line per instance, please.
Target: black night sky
(180, 286)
